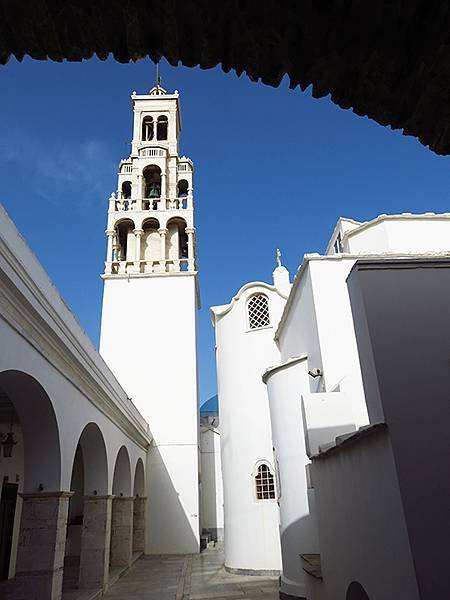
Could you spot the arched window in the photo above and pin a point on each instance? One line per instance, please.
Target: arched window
(126, 190)
(264, 483)
(182, 188)
(258, 311)
(161, 128)
(147, 129)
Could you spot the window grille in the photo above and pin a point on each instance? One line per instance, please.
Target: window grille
(265, 484)
(258, 311)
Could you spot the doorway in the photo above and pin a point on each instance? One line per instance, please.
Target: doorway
(7, 514)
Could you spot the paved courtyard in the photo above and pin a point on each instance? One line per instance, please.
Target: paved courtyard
(192, 577)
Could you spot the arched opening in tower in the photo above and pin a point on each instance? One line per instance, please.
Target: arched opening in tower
(152, 186)
(161, 128)
(124, 240)
(126, 190)
(147, 129)
(177, 244)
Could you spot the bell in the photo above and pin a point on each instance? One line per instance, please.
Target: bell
(154, 191)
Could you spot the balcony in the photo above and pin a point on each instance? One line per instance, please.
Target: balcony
(152, 152)
(128, 267)
(118, 204)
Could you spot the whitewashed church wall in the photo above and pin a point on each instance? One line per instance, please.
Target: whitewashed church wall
(333, 315)
(251, 525)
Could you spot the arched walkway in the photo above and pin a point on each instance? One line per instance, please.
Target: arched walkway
(35, 458)
(139, 508)
(121, 551)
(89, 525)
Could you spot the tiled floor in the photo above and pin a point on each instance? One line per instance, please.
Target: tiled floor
(192, 577)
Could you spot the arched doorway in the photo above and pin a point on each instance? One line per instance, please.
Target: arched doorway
(74, 523)
(356, 591)
(139, 508)
(121, 550)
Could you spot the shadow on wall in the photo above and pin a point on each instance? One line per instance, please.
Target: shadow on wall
(209, 521)
(170, 525)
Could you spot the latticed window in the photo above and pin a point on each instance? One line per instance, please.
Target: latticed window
(258, 311)
(265, 483)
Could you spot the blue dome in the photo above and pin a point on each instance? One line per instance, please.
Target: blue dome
(210, 408)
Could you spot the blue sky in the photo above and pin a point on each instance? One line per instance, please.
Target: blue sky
(273, 167)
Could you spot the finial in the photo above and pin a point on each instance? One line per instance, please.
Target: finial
(158, 77)
(278, 255)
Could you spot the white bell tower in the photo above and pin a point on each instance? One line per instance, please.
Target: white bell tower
(148, 330)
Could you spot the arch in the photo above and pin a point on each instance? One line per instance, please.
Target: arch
(92, 444)
(124, 231)
(264, 481)
(126, 190)
(182, 188)
(152, 182)
(356, 591)
(39, 429)
(122, 474)
(176, 240)
(162, 128)
(151, 241)
(258, 311)
(147, 129)
(139, 479)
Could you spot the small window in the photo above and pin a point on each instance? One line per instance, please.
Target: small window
(264, 483)
(258, 311)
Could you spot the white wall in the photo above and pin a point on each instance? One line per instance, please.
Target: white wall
(285, 385)
(211, 512)
(363, 536)
(148, 338)
(251, 526)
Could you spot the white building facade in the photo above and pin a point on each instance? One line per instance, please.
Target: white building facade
(148, 330)
(316, 394)
(244, 342)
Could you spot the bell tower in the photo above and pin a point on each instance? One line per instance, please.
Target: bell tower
(150, 299)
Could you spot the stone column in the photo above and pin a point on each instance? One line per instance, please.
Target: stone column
(191, 259)
(139, 524)
(137, 258)
(163, 188)
(95, 542)
(190, 198)
(162, 259)
(41, 547)
(109, 250)
(122, 531)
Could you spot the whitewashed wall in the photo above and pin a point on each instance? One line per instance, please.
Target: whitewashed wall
(251, 526)
(148, 338)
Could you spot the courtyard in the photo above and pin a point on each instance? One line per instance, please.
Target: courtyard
(190, 577)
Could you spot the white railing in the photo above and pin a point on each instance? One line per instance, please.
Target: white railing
(184, 167)
(152, 152)
(126, 168)
(128, 267)
(132, 204)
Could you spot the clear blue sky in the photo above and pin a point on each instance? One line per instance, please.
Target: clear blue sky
(273, 167)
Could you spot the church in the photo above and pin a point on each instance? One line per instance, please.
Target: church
(318, 421)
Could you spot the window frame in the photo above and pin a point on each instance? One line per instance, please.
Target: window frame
(256, 474)
(249, 328)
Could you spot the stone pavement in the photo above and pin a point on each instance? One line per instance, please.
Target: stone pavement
(192, 577)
